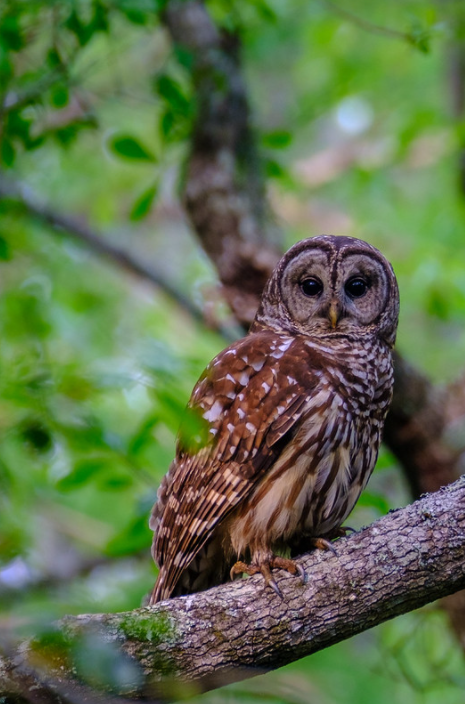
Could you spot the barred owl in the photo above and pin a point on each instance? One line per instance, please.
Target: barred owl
(293, 416)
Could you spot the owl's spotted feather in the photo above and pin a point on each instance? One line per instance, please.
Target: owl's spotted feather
(294, 414)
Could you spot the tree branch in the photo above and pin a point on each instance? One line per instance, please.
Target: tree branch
(79, 230)
(366, 25)
(403, 561)
(224, 192)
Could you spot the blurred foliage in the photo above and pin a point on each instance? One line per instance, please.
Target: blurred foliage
(352, 110)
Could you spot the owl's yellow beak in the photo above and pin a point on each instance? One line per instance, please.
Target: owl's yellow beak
(334, 313)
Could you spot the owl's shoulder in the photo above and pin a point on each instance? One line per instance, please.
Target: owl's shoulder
(264, 357)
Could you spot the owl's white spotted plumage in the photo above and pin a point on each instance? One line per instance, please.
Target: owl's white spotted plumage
(293, 415)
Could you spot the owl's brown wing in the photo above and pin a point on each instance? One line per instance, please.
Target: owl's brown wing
(252, 401)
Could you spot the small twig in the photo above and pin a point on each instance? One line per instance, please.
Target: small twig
(82, 232)
(16, 100)
(366, 25)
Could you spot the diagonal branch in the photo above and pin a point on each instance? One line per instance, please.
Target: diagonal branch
(79, 230)
(403, 561)
(366, 25)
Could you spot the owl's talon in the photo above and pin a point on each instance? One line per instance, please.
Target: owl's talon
(276, 562)
(301, 572)
(341, 532)
(240, 568)
(323, 544)
(265, 569)
(271, 583)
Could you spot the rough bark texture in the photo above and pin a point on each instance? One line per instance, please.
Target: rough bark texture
(405, 560)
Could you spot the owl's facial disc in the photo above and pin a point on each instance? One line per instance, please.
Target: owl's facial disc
(324, 293)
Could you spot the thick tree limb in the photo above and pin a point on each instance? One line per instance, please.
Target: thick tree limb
(224, 191)
(403, 561)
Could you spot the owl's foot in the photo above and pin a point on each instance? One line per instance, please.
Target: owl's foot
(341, 532)
(322, 544)
(265, 567)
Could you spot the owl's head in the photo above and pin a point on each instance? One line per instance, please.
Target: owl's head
(331, 286)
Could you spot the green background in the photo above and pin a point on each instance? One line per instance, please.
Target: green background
(353, 109)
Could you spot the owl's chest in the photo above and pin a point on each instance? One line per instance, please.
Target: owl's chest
(327, 459)
(318, 477)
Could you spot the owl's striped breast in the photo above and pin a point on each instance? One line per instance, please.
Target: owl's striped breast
(317, 479)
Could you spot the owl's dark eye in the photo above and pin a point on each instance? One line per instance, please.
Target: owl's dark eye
(311, 287)
(356, 287)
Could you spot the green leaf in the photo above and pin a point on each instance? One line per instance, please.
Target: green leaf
(136, 536)
(143, 204)
(194, 431)
(82, 473)
(19, 126)
(171, 91)
(84, 31)
(7, 152)
(144, 435)
(10, 33)
(438, 303)
(59, 96)
(278, 139)
(78, 28)
(167, 123)
(36, 435)
(420, 38)
(184, 57)
(54, 58)
(265, 11)
(6, 66)
(273, 169)
(135, 16)
(99, 22)
(130, 148)
(115, 481)
(66, 135)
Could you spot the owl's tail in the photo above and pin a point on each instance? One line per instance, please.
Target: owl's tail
(209, 568)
